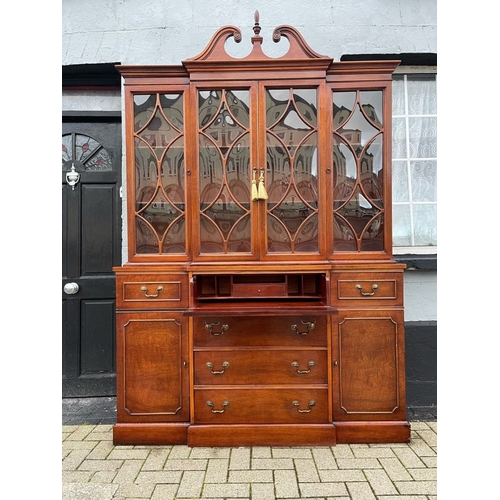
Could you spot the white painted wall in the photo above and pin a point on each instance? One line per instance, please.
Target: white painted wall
(168, 32)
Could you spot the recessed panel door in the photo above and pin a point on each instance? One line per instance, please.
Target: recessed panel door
(91, 217)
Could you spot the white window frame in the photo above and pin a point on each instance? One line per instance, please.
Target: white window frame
(406, 70)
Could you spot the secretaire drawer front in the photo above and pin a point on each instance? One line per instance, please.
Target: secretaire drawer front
(373, 288)
(261, 406)
(152, 291)
(294, 331)
(254, 366)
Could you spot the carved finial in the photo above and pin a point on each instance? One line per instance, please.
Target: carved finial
(256, 28)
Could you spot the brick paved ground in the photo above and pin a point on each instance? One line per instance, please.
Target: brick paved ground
(94, 469)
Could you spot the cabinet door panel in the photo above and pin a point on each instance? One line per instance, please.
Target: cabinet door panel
(369, 366)
(153, 383)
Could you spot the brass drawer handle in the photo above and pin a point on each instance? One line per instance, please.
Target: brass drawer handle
(310, 326)
(297, 404)
(208, 326)
(367, 294)
(224, 366)
(211, 405)
(145, 290)
(296, 365)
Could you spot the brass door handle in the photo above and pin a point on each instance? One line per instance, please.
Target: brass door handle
(209, 327)
(296, 366)
(367, 294)
(144, 289)
(225, 364)
(297, 404)
(310, 326)
(224, 405)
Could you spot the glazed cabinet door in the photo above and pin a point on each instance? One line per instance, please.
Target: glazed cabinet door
(368, 365)
(258, 172)
(224, 215)
(153, 374)
(290, 134)
(361, 155)
(157, 175)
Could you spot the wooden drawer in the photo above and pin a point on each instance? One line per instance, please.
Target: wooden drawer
(254, 366)
(152, 291)
(260, 406)
(293, 331)
(356, 289)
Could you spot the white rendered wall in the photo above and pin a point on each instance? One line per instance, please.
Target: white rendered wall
(91, 100)
(420, 295)
(170, 31)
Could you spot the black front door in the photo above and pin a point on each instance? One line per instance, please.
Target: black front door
(91, 217)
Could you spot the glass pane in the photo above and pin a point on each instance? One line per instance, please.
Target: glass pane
(85, 146)
(357, 131)
(175, 238)
(144, 107)
(423, 137)
(401, 225)
(278, 170)
(398, 95)
(423, 180)
(239, 106)
(373, 237)
(306, 239)
(399, 149)
(343, 103)
(276, 105)
(422, 95)
(146, 174)
(279, 240)
(343, 236)
(400, 187)
(172, 174)
(371, 103)
(345, 171)
(67, 148)
(238, 170)
(305, 102)
(370, 172)
(358, 211)
(211, 172)
(425, 224)
(99, 162)
(305, 173)
(146, 239)
(172, 106)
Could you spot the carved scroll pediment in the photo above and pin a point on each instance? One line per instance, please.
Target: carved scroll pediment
(298, 47)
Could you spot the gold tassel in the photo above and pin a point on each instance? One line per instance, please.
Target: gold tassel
(255, 194)
(262, 190)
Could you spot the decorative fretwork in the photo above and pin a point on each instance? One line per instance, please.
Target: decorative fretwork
(224, 171)
(159, 174)
(292, 170)
(358, 171)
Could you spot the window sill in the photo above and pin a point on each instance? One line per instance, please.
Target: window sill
(418, 262)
